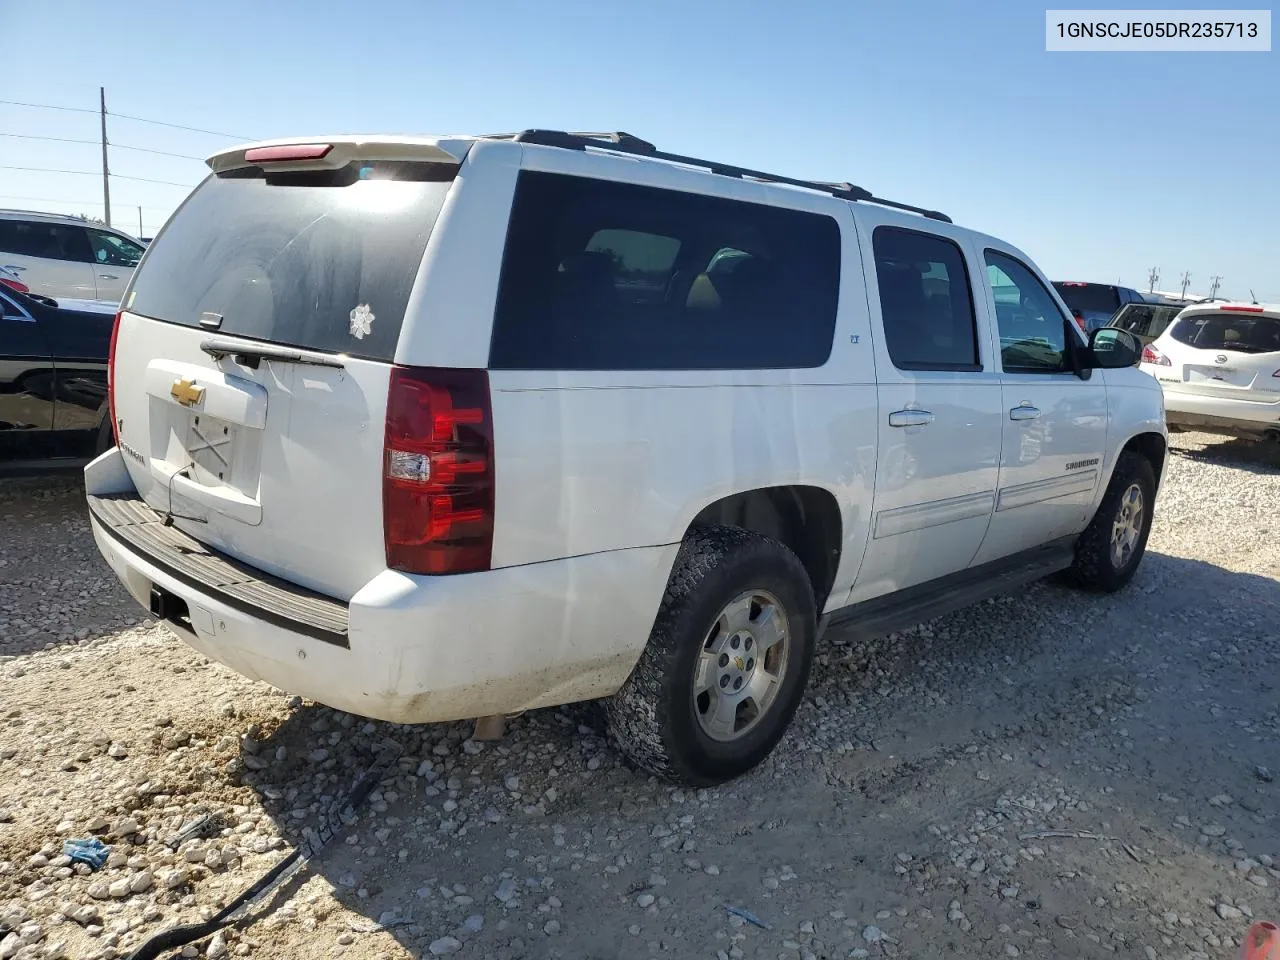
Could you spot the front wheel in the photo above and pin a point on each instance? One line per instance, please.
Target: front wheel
(1110, 549)
(726, 663)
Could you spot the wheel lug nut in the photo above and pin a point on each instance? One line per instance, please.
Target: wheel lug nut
(734, 642)
(746, 644)
(750, 664)
(724, 660)
(737, 684)
(724, 681)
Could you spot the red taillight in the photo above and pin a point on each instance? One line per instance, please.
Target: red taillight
(290, 151)
(437, 487)
(1080, 321)
(111, 379)
(1241, 309)
(1151, 355)
(15, 285)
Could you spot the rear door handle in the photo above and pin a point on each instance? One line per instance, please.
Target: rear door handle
(910, 418)
(107, 276)
(1024, 412)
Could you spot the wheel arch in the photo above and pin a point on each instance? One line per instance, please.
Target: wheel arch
(805, 518)
(1152, 446)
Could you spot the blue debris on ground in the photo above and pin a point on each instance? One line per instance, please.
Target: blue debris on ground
(91, 851)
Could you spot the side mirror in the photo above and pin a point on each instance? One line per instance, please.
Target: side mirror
(1111, 348)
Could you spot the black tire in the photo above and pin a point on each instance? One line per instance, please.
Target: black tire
(653, 719)
(1095, 566)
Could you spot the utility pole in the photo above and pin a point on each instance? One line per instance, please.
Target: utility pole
(1186, 282)
(139, 223)
(1153, 277)
(1213, 290)
(106, 174)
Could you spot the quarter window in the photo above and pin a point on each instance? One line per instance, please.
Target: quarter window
(1033, 331)
(599, 275)
(925, 300)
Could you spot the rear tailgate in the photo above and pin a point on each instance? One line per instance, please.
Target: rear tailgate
(254, 356)
(1231, 354)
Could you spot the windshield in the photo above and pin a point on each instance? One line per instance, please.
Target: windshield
(1089, 297)
(1228, 331)
(323, 261)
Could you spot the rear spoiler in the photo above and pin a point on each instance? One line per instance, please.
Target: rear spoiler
(334, 153)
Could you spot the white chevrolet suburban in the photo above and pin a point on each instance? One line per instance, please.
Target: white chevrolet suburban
(439, 428)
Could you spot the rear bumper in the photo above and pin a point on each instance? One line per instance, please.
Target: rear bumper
(1199, 410)
(422, 649)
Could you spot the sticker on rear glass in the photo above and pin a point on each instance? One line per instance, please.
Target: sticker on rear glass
(361, 321)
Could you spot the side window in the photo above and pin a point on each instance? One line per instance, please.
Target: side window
(50, 241)
(114, 251)
(925, 300)
(1136, 319)
(1033, 331)
(600, 275)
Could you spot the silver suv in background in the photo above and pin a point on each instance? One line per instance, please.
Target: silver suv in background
(60, 256)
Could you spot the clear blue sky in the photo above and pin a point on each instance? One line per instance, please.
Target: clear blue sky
(1098, 165)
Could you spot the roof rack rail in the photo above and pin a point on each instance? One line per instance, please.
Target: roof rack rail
(620, 142)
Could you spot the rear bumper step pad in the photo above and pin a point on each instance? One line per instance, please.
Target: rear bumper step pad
(127, 518)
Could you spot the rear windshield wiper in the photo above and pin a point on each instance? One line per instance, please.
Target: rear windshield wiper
(251, 355)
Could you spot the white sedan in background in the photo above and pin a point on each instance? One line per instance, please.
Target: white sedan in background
(1219, 365)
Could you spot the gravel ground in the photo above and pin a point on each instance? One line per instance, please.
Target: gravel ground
(1048, 775)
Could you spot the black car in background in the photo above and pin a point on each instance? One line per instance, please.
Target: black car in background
(1094, 304)
(53, 380)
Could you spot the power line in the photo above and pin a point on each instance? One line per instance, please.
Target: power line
(178, 126)
(47, 106)
(79, 203)
(125, 116)
(117, 146)
(95, 173)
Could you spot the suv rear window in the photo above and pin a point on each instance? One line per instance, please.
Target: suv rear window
(324, 262)
(600, 275)
(1228, 331)
(1091, 297)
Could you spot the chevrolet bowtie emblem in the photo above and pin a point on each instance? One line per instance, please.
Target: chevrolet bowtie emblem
(186, 392)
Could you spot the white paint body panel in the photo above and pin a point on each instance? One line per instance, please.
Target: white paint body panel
(1051, 470)
(53, 278)
(598, 475)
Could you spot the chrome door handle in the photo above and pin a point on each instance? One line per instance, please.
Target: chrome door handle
(1024, 412)
(107, 276)
(910, 418)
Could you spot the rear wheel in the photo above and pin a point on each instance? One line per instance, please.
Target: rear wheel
(726, 663)
(1110, 549)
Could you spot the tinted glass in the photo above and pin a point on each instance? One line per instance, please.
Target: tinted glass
(320, 261)
(926, 301)
(1242, 332)
(1145, 320)
(1136, 318)
(1089, 297)
(1033, 333)
(52, 241)
(612, 276)
(113, 250)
